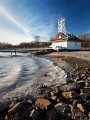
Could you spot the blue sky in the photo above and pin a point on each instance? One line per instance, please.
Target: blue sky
(21, 20)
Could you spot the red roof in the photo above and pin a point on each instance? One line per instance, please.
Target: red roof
(69, 37)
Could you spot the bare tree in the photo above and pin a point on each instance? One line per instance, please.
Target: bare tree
(37, 40)
(85, 39)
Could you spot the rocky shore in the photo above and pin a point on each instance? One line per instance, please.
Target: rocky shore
(69, 101)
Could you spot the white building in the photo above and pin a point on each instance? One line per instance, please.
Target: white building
(63, 40)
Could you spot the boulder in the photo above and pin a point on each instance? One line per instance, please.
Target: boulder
(86, 90)
(34, 114)
(78, 114)
(82, 83)
(59, 107)
(15, 108)
(76, 101)
(69, 95)
(81, 107)
(89, 115)
(83, 97)
(54, 98)
(70, 87)
(4, 107)
(52, 115)
(43, 103)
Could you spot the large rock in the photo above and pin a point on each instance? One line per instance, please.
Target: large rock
(52, 115)
(43, 103)
(76, 101)
(34, 114)
(69, 95)
(86, 91)
(78, 114)
(15, 108)
(59, 107)
(81, 107)
(70, 87)
(84, 97)
(3, 107)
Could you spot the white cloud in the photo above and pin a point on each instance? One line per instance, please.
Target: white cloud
(12, 37)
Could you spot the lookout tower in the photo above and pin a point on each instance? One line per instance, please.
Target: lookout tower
(63, 40)
(61, 25)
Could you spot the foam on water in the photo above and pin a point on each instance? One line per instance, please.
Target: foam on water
(20, 74)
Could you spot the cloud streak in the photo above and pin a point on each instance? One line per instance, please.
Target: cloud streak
(4, 13)
(33, 25)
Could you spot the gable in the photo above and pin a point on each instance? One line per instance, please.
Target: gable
(62, 37)
(59, 36)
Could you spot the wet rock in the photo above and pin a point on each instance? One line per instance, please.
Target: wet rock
(69, 95)
(54, 98)
(87, 105)
(47, 94)
(22, 114)
(12, 104)
(81, 107)
(56, 90)
(83, 97)
(34, 114)
(53, 93)
(43, 103)
(59, 99)
(60, 107)
(76, 101)
(45, 74)
(41, 89)
(52, 115)
(88, 78)
(78, 115)
(70, 87)
(30, 102)
(67, 110)
(4, 107)
(86, 90)
(81, 83)
(15, 108)
(6, 117)
(89, 116)
(26, 104)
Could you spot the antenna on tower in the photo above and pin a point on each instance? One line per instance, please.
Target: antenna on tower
(61, 25)
(59, 13)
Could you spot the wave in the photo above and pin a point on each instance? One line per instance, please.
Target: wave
(20, 74)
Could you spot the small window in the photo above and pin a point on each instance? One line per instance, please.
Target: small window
(59, 36)
(75, 43)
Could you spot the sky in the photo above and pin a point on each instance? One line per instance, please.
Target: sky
(21, 20)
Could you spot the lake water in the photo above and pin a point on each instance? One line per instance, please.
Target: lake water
(19, 74)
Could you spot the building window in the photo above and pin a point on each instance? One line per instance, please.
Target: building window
(75, 43)
(59, 36)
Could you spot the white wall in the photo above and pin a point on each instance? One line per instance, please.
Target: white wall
(61, 44)
(67, 44)
(73, 45)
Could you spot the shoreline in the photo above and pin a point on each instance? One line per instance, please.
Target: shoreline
(70, 63)
(69, 101)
